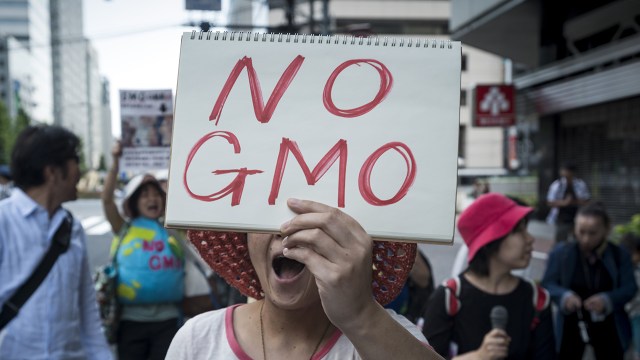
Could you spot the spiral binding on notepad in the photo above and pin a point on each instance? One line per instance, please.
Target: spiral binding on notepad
(320, 39)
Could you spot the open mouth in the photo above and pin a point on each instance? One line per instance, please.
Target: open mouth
(286, 268)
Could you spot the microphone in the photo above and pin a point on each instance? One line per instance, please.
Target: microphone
(499, 317)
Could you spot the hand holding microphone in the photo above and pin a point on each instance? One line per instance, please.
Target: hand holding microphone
(495, 344)
(499, 317)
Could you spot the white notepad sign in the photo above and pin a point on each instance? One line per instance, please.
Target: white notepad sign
(369, 126)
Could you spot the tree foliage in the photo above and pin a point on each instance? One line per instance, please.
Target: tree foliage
(5, 134)
(9, 130)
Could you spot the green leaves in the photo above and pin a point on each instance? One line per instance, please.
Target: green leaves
(9, 130)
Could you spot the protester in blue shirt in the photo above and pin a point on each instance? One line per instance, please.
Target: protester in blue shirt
(60, 320)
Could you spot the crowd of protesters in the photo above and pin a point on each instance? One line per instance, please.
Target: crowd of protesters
(587, 303)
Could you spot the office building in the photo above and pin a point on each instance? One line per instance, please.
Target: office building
(576, 74)
(26, 75)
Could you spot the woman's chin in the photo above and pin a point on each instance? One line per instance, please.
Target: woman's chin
(292, 295)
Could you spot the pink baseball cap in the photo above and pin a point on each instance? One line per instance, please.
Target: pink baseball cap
(489, 218)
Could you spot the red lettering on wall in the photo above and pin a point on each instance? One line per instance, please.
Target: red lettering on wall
(286, 146)
(364, 180)
(386, 81)
(263, 113)
(235, 187)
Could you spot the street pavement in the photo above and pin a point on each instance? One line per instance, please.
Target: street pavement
(89, 212)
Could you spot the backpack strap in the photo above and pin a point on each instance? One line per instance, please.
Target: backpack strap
(540, 301)
(452, 295)
(540, 298)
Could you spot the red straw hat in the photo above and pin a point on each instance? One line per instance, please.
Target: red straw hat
(228, 255)
(489, 218)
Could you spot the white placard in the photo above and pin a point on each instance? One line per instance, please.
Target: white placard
(371, 128)
(146, 123)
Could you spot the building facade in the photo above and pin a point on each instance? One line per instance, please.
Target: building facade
(77, 82)
(105, 124)
(576, 73)
(50, 71)
(27, 69)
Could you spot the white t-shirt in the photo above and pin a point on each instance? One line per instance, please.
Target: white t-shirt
(200, 338)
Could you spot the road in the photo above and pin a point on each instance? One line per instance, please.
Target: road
(89, 212)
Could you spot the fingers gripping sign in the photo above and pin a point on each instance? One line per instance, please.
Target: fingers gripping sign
(337, 251)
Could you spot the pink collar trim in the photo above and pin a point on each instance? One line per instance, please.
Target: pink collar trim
(231, 335)
(325, 349)
(237, 350)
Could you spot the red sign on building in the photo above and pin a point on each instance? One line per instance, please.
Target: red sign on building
(494, 105)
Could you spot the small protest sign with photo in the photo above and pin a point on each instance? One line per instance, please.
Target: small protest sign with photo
(147, 123)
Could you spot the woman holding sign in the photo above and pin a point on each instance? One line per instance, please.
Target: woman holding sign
(313, 282)
(150, 266)
(486, 312)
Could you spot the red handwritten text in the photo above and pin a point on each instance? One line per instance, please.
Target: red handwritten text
(338, 150)
(263, 113)
(157, 262)
(155, 245)
(364, 180)
(236, 186)
(386, 81)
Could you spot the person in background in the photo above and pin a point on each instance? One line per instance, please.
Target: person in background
(150, 264)
(313, 285)
(565, 196)
(631, 243)
(480, 187)
(204, 290)
(60, 320)
(590, 281)
(457, 319)
(6, 183)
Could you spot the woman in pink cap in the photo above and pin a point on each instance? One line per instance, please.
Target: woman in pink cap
(313, 283)
(487, 312)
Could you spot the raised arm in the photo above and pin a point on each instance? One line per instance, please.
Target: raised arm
(337, 250)
(108, 203)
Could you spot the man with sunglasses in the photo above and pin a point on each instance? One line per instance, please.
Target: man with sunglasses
(59, 319)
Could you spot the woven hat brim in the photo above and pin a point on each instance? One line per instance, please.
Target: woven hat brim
(227, 254)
